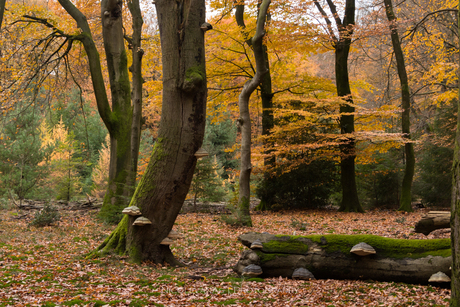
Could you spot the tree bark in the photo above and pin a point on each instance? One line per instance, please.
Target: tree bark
(341, 44)
(455, 208)
(2, 10)
(117, 116)
(406, 195)
(265, 86)
(432, 221)
(245, 118)
(329, 257)
(162, 190)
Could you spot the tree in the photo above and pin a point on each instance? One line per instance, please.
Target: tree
(341, 45)
(406, 195)
(245, 119)
(121, 117)
(265, 85)
(455, 210)
(21, 155)
(164, 186)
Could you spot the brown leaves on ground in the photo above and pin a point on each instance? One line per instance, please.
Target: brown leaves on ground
(47, 267)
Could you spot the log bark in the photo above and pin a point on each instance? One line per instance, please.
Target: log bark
(329, 257)
(432, 221)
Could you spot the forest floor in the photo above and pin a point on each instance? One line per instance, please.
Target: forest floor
(47, 266)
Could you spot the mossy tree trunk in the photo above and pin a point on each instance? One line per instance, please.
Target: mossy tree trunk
(164, 186)
(245, 119)
(121, 118)
(455, 211)
(329, 257)
(341, 44)
(406, 195)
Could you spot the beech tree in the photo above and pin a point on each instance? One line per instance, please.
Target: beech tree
(341, 44)
(406, 195)
(122, 116)
(455, 210)
(164, 186)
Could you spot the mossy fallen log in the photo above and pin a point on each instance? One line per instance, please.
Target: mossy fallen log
(329, 257)
(432, 221)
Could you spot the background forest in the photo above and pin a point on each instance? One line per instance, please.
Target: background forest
(54, 145)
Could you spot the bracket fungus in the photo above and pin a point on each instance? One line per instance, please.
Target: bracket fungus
(439, 277)
(133, 210)
(166, 241)
(362, 249)
(303, 274)
(141, 221)
(206, 27)
(257, 244)
(252, 270)
(200, 153)
(174, 235)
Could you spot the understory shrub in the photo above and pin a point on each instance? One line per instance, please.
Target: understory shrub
(47, 216)
(306, 186)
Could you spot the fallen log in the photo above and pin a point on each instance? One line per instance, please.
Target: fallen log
(432, 221)
(329, 257)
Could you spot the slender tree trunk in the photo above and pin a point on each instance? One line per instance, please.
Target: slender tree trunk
(350, 201)
(265, 86)
(341, 44)
(136, 69)
(162, 190)
(406, 195)
(245, 119)
(455, 210)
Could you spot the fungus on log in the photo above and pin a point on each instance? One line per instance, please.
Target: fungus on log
(432, 221)
(329, 257)
(362, 249)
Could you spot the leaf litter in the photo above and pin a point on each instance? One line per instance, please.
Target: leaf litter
(46, 266)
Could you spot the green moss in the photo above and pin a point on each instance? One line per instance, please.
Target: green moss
(289, 245)
(194, 77)
(385, 247)
(264, 258)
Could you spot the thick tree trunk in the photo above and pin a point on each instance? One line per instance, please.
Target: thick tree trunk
(455, 208)
(406, 195)
(329, 257)
(245, 119)
(162, 190)
(432, 221)
(2, 10)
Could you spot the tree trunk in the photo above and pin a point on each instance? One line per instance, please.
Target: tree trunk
(455, 209)
(266, 92)
(341, 44)
(117, 117)
(136, 70)
(406, 195)
(432, 221)
(244, 216)
(162, 190)
(350, 201)
(329, 257)
(2, 10)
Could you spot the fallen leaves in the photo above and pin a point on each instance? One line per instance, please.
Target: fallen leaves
(46, 266)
